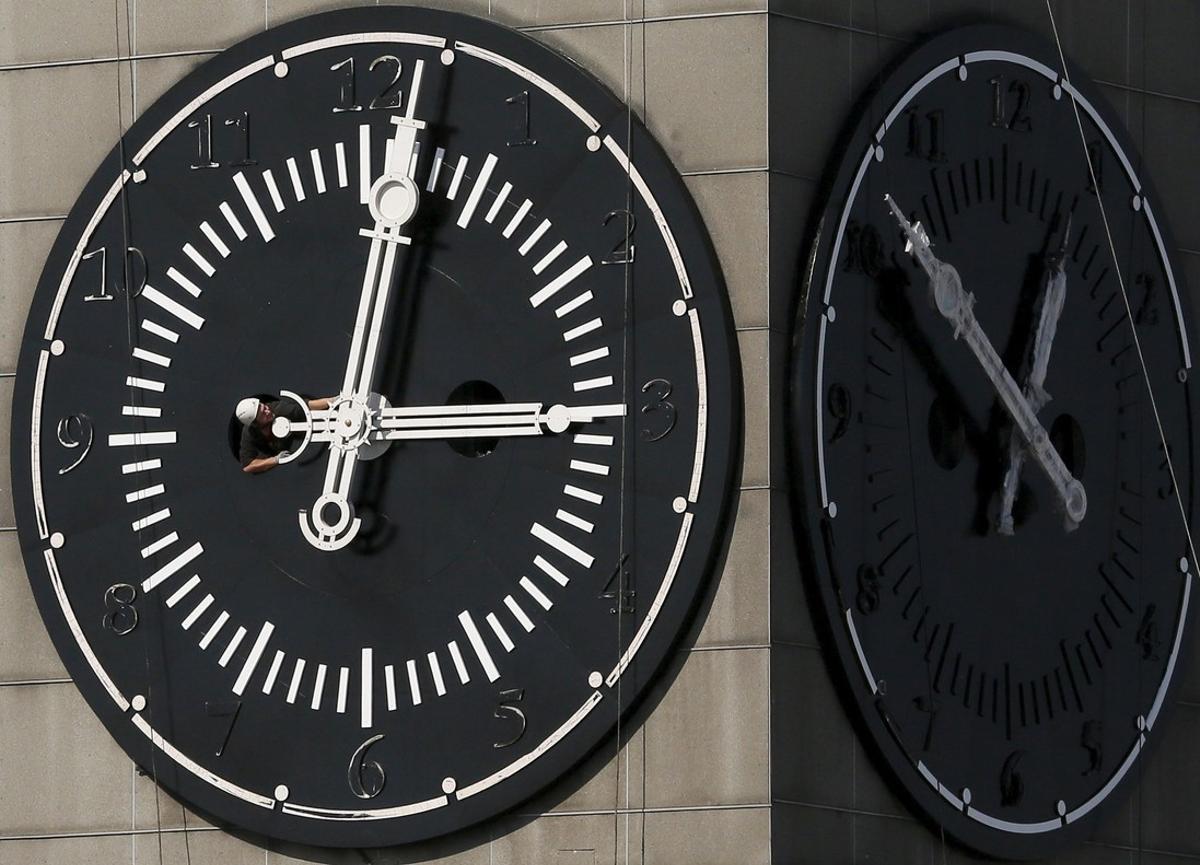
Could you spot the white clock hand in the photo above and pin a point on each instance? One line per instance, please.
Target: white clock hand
(1049, 308)
(393, 202)
(955, 304)
(456, 421)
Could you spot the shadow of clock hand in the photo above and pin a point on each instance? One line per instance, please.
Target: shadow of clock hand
(1017, 354)
(377, 528)
(397, 335)
(896, 306)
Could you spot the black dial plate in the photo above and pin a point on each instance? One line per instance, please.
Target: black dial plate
(506, 599)
(1008, 681)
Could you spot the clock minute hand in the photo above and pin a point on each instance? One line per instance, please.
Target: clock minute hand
(1050, 306)
(392, 201)
(955, 304)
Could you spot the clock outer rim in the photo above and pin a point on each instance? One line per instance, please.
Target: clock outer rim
(725, 429)
(864, 118)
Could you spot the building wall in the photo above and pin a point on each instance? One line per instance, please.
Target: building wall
(744, 754)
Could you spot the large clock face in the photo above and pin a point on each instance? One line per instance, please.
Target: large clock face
(500, 356)
(998, 541)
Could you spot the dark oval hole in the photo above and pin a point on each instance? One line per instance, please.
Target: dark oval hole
(947, 435)
(474, 393)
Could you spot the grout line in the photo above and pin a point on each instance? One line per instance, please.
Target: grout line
(95, 61)
(792, 644)
(741, 647)
(849, 28)
(1190, 100)
(779, 800)
(113, 833)
(534, 28)
(22, 682)
(703, 172)
(14, 219)
(661, 809)
(612, 22)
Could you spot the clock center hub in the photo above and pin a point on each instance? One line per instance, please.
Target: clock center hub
(355, 423)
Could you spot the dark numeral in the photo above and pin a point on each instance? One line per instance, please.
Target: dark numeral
(387, 99)
(925, 134)
(1166, 487)
(657, 414)
(223, 709)
(1091, 739)
(864, 249)
(1018, 120)
(928, 707)
(346, 99)
(133, 272)
(366, 777)
(121, 616)
(75, 431)
(1012, 783)
(521, 100)
(1147, 636)
(1095, 155)
(620, 588)
(837, 400)
(625, 249)
(389, 96)
(204, 141)
(508, 710)
(867, 599)
(1147, 312)
(243, 125)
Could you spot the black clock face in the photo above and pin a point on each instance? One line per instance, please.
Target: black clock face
(474, 557)
(1008, 615)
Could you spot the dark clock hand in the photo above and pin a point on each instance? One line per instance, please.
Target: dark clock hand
(1050, 306)
(392, 201)
(955, 304)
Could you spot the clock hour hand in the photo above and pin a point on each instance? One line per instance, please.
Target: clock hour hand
(955, 304)
(392, 201)
(507, 420)
(1050, 306)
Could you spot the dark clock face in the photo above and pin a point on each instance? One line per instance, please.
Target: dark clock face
(998, 539)
(505, 429)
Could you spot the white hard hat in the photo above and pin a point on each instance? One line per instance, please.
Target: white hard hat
(247, 410)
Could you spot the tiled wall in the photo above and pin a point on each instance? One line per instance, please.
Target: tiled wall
(744, 756)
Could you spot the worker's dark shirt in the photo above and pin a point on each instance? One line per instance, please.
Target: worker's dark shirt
(256, 444)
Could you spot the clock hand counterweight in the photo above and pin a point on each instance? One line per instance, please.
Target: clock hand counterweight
(955, 304)
(1049, 308)
(392, 201)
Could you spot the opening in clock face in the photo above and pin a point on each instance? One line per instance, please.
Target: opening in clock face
(496, 364)
(997, 535)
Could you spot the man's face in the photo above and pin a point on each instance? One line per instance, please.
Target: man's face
(265, 416)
